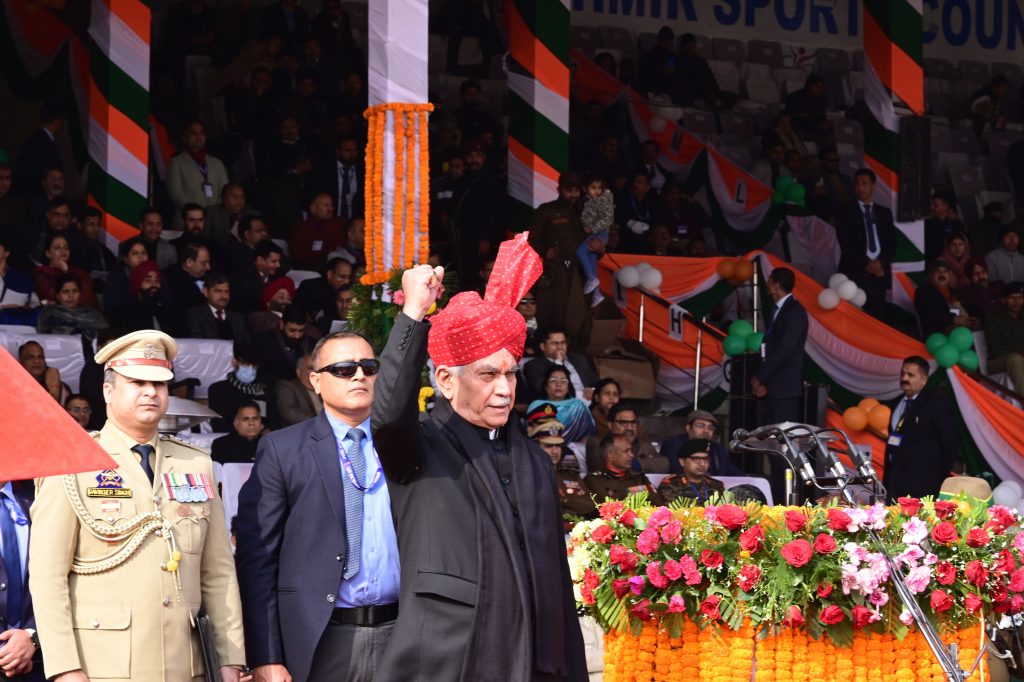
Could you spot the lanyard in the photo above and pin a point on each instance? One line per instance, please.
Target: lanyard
(346, 464)
(646, 215)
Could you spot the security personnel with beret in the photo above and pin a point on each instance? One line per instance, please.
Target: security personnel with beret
(122, 560)
(546, 431)
(693, 482)
(618, 480)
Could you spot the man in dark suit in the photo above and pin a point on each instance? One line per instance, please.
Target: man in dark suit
(281, 348)
(315, 297)
(39, 152)
(185, 278)
(343, 178)
(922, 446)
(867, 242)
(212, 319)
(20, 657)
(781, 375)
(554, 348)
(247, 283)
(317, 554)
(240, 445)
(486, 593)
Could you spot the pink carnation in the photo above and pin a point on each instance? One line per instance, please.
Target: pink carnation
(676, 604)
(647, 542)
(673, 569)
(654, 575)
(660, 517)
(672, 531)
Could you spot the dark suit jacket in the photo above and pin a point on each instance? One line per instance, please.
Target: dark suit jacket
(291, 544)
(182, 286)
(37, 154)
(246, 287)
(449, 592)
(534, 371)
(201, 324)
(783, 368)
(928, 448)
(24, 491)
(851, 232)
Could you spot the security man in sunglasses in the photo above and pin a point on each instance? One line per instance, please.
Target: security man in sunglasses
(317, 555)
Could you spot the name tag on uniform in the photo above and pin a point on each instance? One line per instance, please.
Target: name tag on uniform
(108, 492)
(895, 440)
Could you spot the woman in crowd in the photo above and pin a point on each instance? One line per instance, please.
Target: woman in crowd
(18, 301)
(58, 251)
(68, 315)
(606, 395)
(78, 407)
(572, 412)
(957, 253)
(117, 293)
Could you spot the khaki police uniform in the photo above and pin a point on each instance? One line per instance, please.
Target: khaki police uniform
(606, 484)
(119, 566)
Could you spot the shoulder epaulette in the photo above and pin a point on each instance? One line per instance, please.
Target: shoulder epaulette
(178, 441)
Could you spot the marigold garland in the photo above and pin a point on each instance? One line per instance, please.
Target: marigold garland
(409, 251)
(423, 146)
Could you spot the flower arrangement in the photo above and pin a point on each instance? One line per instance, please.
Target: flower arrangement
(809, 571)
(375, 306)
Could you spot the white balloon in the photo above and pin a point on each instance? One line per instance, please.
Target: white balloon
(628, 276)
(657, 125)
(651, 279)
(1018, 491)
(835, 280)
(1004, 495)
(1020, 505)
(642, 267)
(828, 299)
(860, 299)
(847, 290)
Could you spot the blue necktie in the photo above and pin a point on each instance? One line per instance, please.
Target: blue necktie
(354, 502)
(144, 452)
(872, 238)
(12, 561)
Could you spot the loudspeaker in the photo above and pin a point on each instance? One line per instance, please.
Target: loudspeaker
(915, 168)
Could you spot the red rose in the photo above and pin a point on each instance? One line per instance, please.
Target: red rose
(976, 573)
(611, 510)
(616, 554)
(620, 588)
(627, 518)
(832, 614)
(1017, 580)
(1001, 519)
(838, 519)
(752, 538)
(976, 537)
(642, 610)
(711, 559)
(794, 618)
(909, 505)
(629, 562)
(748, 576)
(602, 534)
(709, 607)
(824, 544)
(941, 601)
(588, 595)
(945, 533)
(861, 616)
(730, 516)
(824, 590)
(591, 579)
(1005, 562)
(1000, 605)
(972, 603)
(945, 573)
(945, 509)
(797, 553)
(795, 521)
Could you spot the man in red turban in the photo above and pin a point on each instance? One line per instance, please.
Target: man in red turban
(485, 590)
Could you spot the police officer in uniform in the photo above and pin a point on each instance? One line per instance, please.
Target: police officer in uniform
(122, 560)
(618, 480)
(693, 482)
(572, 491)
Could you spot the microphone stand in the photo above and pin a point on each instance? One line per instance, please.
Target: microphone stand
(798, 462)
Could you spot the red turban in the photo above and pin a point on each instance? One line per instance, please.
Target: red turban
(275, 286)
(470, 328)
(139, 274)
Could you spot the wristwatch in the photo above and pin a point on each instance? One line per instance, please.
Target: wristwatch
(35, 637)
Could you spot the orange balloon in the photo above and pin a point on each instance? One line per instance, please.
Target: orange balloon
(867, 404)
(878, 418)
(744, 270)
(726, 268)
(855, 419)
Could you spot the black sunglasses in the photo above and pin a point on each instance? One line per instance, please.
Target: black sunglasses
(347, 369)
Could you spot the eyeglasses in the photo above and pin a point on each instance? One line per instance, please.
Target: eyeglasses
(347, 369)
(528, 301)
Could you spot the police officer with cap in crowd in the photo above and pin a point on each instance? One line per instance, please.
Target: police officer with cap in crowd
(546, 431)
(122, 560)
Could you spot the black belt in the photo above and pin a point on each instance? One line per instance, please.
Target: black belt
(365, 616)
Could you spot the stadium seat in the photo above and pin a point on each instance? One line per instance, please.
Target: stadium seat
(703, 122)
(848, 130)
(617, 38)
(584, 38)
(784, 75)
(728, 49)
(848, 165)
(853, 87)
(437, 53)
(988, 196)
(964, 141)
(758, 71)
(948, 163)
(941, 139)
(63, 351)
(791, 86)
(858, 60)
(994, 170)
(848, 148)
(975, 71)
(1012, 71)
(738, 123)
(726, 73)
(967, 181)
(997, 143)
(831, 60)
(470, 53)
(765, 52)
(939, 68)
(763, 92)
(703, 45)
(300, 276)
(645, 41)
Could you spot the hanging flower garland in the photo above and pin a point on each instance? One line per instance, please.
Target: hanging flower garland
(424, 194)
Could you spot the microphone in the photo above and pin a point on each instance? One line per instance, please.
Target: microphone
(806, 468)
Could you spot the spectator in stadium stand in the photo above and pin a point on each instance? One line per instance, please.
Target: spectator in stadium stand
(221, 220)
(987, 106)
(289, 20)
(701, 424)
(239, 446)
(33, 359)
(636, 210)
(606, 61)
(980, 297)
(77, 405)
(783, 132)
(194, 176)
(554, 347)
(616, 478)
(622, 420)
(478, 219)
(697, 81)
(546, 431)
(808, 107)
(52, 185)
(780, 377)
(528, 309)
(344, 179)
(247, 381)
(184, 279)
(983, 234)
(337, 319)
(13, 209)
(770, 166)
(442, 205)
(605, 161)
(353, 98)
(151, 227)
(193, 218)
(942, 224)
(957, 254)
(19, 303)
(252, 229)
(333, 26)
(282, 347)
(274, 298)
(59, 215)
(354, 250)
(39, 152)
(315, 296)
(57, 253)
(466, 19)
(1005, 262)
(938, 309)
(684, 216)
(659, 243)
(285, 162)
(67, 315)
(116, 292)
(149, 307)
(658, 175)
(88, 250)
(867, 243)
(1004, 334)
(607, 393)
(692, 481)
(312, 239)
(627, 72)
(247, 283)
(471, 117)
(324, 72)
(659, 66)
(296, 399)
(212, 319)
(792, 164)
(828, 191)
(922, 446)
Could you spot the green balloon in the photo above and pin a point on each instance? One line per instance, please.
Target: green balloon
(968, 360)
(961, 338)
(741, 329)
(783, 182)
(778, 198)
(947, 356)
(734, 345)
(754, 342)
(796, 194)
(935, 341)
